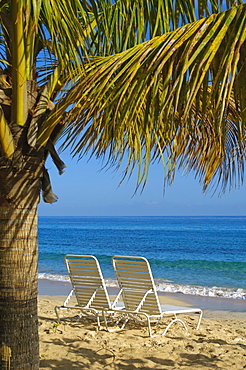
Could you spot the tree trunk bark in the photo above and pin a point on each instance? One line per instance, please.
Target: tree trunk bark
(19, 198)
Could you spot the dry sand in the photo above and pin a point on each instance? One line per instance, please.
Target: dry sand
(220, 343)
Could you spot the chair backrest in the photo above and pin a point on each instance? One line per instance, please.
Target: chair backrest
(136, 281)
(87, 281)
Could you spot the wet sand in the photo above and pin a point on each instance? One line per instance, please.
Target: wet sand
(235, 307)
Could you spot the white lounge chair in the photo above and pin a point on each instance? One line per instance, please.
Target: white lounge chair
(88, 287)
(138, 291)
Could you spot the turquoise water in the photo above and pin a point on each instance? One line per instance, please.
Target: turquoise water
(195, 255)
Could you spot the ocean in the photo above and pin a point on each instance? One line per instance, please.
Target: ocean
(203, 256)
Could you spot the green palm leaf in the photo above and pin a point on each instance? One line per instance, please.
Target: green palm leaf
(141, 103)
(151, 98)
(122, 24)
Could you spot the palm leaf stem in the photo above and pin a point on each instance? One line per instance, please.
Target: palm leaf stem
(6, 138)
(19, 106)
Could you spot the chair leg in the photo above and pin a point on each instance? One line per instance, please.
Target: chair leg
(149, 328)
(98, 322)
(57, 308)
(199, 320)
(117, 322)
(79, 317)
(172, 322)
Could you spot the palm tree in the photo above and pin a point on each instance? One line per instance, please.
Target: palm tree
(145, 80)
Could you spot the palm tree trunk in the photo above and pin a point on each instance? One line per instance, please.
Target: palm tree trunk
(19, 197)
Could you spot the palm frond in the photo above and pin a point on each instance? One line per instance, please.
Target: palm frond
(115, 26)
(178, 97)
(60, 23)
(181, 86)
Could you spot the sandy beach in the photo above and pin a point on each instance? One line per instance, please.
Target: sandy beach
(220, 343)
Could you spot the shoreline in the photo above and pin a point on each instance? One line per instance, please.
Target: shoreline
(212, 306)
(167, 286)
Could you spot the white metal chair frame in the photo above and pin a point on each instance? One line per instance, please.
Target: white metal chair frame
(89, 288)
(139, 295)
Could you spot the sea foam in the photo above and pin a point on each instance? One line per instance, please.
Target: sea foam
(168, 287)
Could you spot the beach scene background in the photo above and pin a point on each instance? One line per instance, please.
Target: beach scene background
(196, 262)
(200, 256)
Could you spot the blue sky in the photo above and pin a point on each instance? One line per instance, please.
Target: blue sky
(85, 190)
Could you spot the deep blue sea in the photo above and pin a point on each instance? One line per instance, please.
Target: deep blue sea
(193, 255)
